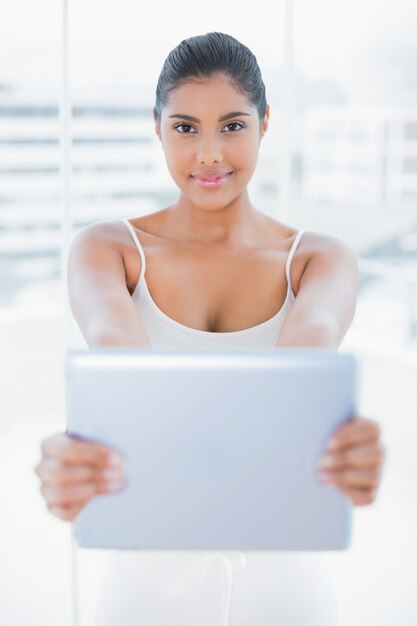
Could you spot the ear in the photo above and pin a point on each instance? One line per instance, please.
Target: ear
(157, 128)
(265, 121)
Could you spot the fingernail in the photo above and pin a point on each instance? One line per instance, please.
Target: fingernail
(115, 485)
(115, 460)
(324, 478)
(326, 461)
(112, 473)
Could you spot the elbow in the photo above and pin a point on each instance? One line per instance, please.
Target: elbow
(325, 335)
(106, 336)
(101, 337)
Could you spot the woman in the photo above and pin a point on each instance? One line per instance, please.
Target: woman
(216, 268)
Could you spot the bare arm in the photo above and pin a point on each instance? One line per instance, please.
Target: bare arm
(72, 471)
(99, 298)
(320, 316)
(325, 304)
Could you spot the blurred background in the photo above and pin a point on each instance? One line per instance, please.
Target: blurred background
(340, 157)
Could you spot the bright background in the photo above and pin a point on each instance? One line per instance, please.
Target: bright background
(340, 157)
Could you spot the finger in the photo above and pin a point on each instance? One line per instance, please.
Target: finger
(356, 430)
(358, 456)
(60, 497)
(77, 494)
(77, 451)
(66, 513)
(360, 497)
(52, 471)
(365, 479)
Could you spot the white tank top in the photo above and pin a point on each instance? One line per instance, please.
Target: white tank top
(194, 587)
(163, 331)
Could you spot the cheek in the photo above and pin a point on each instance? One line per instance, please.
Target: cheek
(178, 154)
(245, 157)
(244, 150)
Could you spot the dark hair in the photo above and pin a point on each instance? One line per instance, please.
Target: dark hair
(203, 56)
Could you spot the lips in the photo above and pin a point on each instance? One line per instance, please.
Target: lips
(210, 177)
(212, 182)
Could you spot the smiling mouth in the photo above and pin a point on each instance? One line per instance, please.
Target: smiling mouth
(214, 182)
(211, 179)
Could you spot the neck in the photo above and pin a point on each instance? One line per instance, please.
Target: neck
(231, 223)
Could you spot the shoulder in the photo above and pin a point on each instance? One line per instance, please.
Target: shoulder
(314, 243)
(310, 242)
(105, 232)
(115, 237)
(315, 250)
(97, 247)
(112, 235)
(326, 249)
(106, 243)
(321, 253)
(329, 264)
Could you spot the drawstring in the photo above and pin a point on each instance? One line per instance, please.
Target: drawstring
(233, 562)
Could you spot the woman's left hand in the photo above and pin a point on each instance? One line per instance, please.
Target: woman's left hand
(353, 460)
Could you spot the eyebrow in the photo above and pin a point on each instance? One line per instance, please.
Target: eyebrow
(191, 118)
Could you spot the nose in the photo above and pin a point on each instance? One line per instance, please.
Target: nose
(209, 151)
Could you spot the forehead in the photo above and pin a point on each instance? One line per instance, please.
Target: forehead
(207, 97)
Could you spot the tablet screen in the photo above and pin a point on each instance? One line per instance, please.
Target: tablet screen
(221, 449)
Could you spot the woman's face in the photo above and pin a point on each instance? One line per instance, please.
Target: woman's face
(208, 147)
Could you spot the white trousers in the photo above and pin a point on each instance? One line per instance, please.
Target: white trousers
(208, 588)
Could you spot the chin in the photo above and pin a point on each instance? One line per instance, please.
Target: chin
(215, 204)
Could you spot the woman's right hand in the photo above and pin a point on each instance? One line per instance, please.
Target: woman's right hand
(74, 470)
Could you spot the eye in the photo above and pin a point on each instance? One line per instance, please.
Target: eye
(181, 124)
(184, 126)
(241, 124)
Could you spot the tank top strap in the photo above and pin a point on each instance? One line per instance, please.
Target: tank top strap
(138, 245)
(290, 256)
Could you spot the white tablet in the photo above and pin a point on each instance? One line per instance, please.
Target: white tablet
(221, 448)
